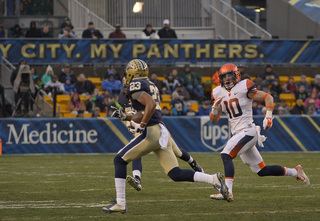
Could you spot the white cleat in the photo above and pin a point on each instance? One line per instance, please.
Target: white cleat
(219, 196)
(115, 207)
(301, 175)
(222, 187)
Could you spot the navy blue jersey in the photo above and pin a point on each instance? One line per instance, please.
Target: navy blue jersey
(124, 101)
(144, 84)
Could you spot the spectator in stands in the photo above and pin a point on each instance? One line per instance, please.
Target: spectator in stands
(311, 108)
(16, 32)
(183, 93)
(241, 69)
(91, 32)
(15, 72)
(314, 97)
(316, 83)
(301, 93)
(108, 101)
(47, 76)
(303, 81)
(111, 84)
(290, 86)
(84, 86)
(117, 33)
(245, 76)
(259, 81)
(68, 86)
(66, 22)
(33, 32)
(67, 32)
(205, 108)
(166, 31)
(276, 90)
(96, 112)
(149, 33)
(215, 78)
(190, 111)
(160, 84)
(177, 76)
(178, 107)
(165, 111)
(256, 110)
(116, 74)
(269, 74)
(54, 84)
(281, 111)
(75, 104)
(45, 33)
(282, 104)
(95, 100)
(298, 108)
(67, 72)
(80, 113)
(34, 72)
(192, 82)
(171, 83)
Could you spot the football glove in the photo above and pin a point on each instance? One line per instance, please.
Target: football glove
(267, 122)
(135, 127)
(118, 113)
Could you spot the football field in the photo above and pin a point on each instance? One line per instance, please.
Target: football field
(76, 187)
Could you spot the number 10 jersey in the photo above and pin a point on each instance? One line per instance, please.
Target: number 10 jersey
(236, 104)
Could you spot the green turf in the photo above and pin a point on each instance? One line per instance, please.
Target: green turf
(75, 187)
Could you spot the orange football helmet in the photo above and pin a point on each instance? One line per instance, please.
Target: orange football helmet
(229, 76)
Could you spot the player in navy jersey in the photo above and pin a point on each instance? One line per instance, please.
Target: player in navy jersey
(135, 180)
(154, 136)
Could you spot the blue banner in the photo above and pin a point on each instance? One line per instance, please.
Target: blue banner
(159, 51)
(194, 134)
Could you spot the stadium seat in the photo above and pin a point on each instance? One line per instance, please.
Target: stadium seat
(166, 98)
(310, 79)
(283, 79)
(166, 104)
(95, 80)
(161, 78)
(87, 114)
(103, 114)
(82, 97)
(195, 106)
(63, 98)
(205, 79)
(296, 79)
(287, 97)
(69, 115)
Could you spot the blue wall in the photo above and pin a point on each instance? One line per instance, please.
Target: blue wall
(194, 134)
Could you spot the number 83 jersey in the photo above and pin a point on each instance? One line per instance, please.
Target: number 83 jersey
(135, 89)
(236, 104)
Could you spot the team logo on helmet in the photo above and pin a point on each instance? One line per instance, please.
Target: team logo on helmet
(229, 76)
(136, 68)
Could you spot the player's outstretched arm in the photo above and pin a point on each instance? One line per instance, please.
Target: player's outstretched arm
(216, 111)
(268, 99)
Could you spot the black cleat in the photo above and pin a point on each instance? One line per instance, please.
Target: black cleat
(196, 167)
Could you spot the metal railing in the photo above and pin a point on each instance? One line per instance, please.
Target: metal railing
(46, 107)
(6, 70)
(80, 15)
(181, 13)
(215, 14)
(241, 20)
